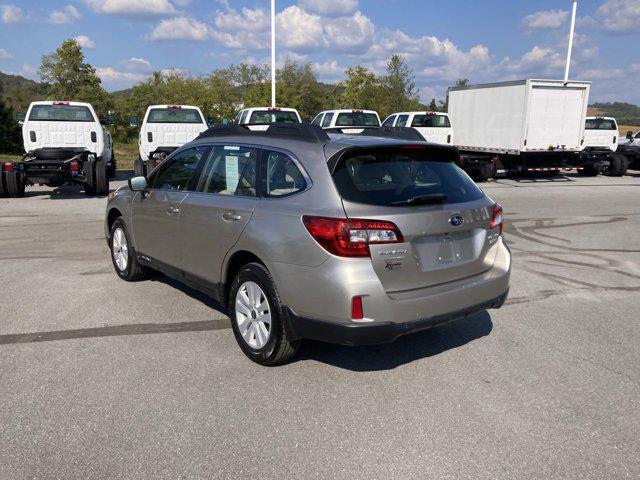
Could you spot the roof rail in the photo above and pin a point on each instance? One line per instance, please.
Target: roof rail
(299, 131)
(399, 133)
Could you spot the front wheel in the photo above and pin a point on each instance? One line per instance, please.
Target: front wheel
(257, 318)
(123, 256)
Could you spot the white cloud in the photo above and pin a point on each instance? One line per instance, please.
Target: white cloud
(255, 20)
(67, 15)
(330, 8)
(350, 34)
(620, 16)
(85, 42)
(329, 71)
(132, 8)
(10, 14)
(28, 71)
(136, 65)
(114, 79)
(180, 28)
(548, 20)
(4, 55)
(174, 72)
(536, 62)
(299, 31)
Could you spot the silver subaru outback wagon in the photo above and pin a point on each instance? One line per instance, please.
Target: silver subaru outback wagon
(345, 239)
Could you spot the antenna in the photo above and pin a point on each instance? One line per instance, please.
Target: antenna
(273, 53)
(570, 49)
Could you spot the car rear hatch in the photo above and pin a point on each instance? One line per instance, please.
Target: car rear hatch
(444, 219)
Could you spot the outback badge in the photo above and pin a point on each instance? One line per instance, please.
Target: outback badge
(456, 220)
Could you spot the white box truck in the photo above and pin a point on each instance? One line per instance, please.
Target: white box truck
(521, 126)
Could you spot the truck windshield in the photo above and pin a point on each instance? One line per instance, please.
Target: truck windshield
(403, 176)
(431, 121)
(600, 124)
(60, 113)
(265, 117)
(174, 115)
(357, 119)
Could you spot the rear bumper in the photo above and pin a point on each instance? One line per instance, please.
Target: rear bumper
(354, 334)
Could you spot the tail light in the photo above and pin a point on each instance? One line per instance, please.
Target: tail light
(65, 102)
(74, 166)
(273, 109)
(350, 237)
(496, 218)
(494, 160)
(8, 167)
(94, 137)
(32, 136)
(356, 111)
(614, 139)
(150, 136)
(157, 161)
(448, 138)
(357, 312)
(525, 142)
(174, 107)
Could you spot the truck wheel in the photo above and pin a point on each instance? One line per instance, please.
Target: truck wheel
(15, 184)
(139, 169)
(123, 255)
(588, 171)
(3, 184)
(101, 182)
(257, 317)
(111, 169)
(617, 166)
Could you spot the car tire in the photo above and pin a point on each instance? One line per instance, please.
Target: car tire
(101, 179)
(617, 167)
(3, 184)
(139, 169)
(112, 167)
(90, 178)
(123, 256)
(15, 184)
(588, 171)
(253, 297)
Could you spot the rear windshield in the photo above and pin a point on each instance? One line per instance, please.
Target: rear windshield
(399, 177)
(265, 117)
(357, 119)
(60, 113)
(431, 121)
(600, 124)
(174, 115)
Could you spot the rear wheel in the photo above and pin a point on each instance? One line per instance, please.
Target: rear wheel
(617, 166)
(588, 171)
(256, 317)
(111, 168)
(139, 169)
(101, 180)
(15, 184)
(123, 256)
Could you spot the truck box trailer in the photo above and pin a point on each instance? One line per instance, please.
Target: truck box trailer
(521, 126)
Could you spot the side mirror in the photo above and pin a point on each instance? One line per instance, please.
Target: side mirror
(225, 121)
(133, 121)
(629, 135)
(20, 117)
(211, 121)
(138, 184)
(107, 121)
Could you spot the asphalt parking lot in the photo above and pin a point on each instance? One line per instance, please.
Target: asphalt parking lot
(100, 378)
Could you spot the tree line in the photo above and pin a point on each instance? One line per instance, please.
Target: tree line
(221, 93)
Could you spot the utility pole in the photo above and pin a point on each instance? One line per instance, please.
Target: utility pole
(570, 49)
(273, 53)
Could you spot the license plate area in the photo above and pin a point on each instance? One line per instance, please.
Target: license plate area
(446, 250)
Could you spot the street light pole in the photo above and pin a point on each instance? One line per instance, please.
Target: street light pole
(571, 32)
(273, 53)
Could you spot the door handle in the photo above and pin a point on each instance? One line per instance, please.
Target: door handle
(173, 210)
(231, 217)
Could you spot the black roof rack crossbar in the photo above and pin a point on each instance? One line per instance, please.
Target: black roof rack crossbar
(355, 127)
(295, 131)
(398, 133)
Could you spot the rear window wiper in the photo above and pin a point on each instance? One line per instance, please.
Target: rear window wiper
(423, 199)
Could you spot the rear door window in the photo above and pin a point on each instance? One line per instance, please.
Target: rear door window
(283, 176)
(327, 120)
(394, 176)
(177, 173)
(402, 120)
(230, 170)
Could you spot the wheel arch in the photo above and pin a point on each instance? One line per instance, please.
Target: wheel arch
(113, 214)
(233, 265)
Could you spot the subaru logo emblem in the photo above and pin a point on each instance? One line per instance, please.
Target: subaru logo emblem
(456, 220)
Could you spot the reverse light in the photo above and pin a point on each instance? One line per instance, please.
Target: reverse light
(496, 218)
(350, 237)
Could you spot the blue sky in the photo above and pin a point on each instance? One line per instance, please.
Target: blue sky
(484, 40)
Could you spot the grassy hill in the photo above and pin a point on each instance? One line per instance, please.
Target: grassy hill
(19, 92)
(624, 113)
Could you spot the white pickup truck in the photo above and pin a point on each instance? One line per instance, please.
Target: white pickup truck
(601, 140)
(164, 129)
(64, 142)
(347, 121)
(435, 127)
(259, 118)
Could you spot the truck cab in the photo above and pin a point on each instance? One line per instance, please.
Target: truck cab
(164, 129)
(601, 133)
(347, 121)
(259, 118)
(435, 127)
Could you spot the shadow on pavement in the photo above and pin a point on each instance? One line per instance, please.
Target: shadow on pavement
(407, 349)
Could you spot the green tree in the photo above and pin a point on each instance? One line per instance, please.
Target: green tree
(298, 87)
(71, 78)
(362, 89)
(10, 137)
(433, 106)
(401, 91)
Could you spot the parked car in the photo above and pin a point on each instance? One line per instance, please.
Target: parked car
(164, 129)
(301, 235)
(347, 121)
(435, 127)
(601, 142)
(629, 147)
(259, 118)
(64, 142)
